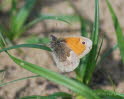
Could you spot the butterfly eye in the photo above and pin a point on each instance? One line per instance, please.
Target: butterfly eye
(83, 42)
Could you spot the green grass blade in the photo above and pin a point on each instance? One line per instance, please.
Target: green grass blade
(36, 39)
(107, 94)
(81, 69)
(118, 29)
(27, 46)
(83, 27)
(112, 83)
(51, 17)
(18, 21)
(13, 81)
(99, 50)
(2, 75)
(55, 77)
(95, 34)
(3, 70)
(52, 96)
(13, 8)
(107, 53)
(2, 41)
(91, 61)
(84, 66)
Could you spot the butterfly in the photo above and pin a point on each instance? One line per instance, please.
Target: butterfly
(67, 51)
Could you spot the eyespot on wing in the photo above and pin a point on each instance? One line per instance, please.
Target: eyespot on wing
(80, 45)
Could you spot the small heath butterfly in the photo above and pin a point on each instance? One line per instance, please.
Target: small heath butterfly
(68, 51)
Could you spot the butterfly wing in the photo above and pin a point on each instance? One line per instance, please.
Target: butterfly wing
(68, 51)
(80, 45)
(88, 46)
(68, 65)
(66, 60)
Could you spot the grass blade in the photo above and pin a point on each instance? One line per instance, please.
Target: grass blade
(107, 94)
(107, 53)
(51, 17)
(52, 96)
(81, 69)
(99, 50)
(118, 29)
(2, 75)
(26, 45)
(55, 77)
(91, 61)
(3, 70)
(13, 81)
(13, 8)
(2, 41)
(95, 34)
(18, 21)
(38, 40)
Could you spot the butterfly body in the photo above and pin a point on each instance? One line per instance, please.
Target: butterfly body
(68, 51)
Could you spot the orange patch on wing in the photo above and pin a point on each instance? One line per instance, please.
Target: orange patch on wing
(75, 44)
